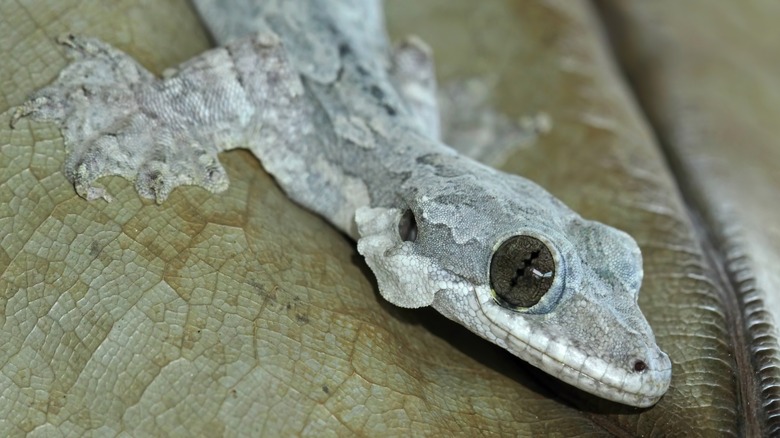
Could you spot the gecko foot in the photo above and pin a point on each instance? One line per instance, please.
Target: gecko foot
(117, 118)
(412, 71)
(474, 127)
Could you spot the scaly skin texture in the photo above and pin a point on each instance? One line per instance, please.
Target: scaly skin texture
(351, 133)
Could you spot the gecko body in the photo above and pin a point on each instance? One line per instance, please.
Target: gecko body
(348, 128)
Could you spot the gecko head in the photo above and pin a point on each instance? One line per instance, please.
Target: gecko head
(501, 256)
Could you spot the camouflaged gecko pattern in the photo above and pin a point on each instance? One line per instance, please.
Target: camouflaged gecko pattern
(306, 85)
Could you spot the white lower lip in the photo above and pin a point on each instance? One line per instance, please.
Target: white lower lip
(592, 374)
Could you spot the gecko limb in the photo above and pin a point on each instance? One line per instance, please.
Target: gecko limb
(414, 76)
(119, 119)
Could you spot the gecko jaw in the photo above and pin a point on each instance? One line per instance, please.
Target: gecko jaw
(595, 375)
(630, 383)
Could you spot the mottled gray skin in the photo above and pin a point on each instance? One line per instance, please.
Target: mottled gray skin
(350, 131)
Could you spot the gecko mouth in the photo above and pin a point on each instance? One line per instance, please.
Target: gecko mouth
(640, 383)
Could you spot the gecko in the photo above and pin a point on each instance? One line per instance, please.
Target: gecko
(348, 127)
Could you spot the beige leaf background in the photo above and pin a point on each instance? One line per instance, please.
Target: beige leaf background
(244, 314)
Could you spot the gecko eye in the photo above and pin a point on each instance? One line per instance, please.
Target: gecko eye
(407, 227)
(521, 272)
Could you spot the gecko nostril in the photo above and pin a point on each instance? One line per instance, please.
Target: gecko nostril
(640, 366)
(407, 226)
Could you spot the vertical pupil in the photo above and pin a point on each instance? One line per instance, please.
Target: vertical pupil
(525, 269)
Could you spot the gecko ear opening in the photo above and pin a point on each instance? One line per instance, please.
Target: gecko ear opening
(407, 226)
(405, 278)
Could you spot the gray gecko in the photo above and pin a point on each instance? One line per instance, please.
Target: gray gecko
(349, 129)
